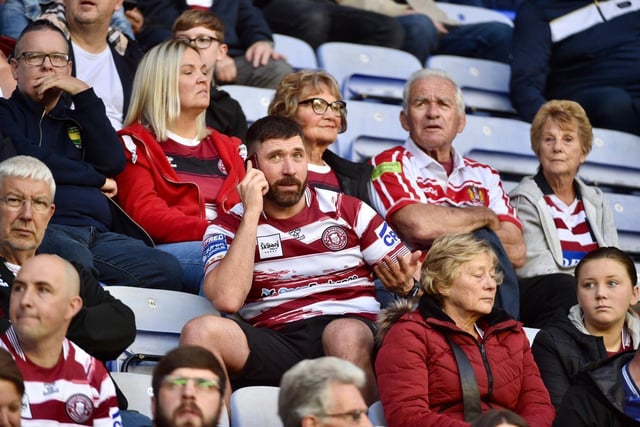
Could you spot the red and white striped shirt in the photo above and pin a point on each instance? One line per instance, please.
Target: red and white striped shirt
(315, 263)
(76, 391)
(575, 237)
(405, 175)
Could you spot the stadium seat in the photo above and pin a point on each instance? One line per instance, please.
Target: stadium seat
(614, 161)
(137, 389)
(371, 128)
(253, 100)
(626, 209)
(300, 55)
(160, 315)
(500, 142)
(376, 414)
(484, 83)
(255, 406)
(367, 72)
(473, 14)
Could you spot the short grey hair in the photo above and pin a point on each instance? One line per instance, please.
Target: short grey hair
(28, 167)
(304, 389)
(424, 74)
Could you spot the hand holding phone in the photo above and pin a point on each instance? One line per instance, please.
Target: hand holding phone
(129, 4)
(254, 161)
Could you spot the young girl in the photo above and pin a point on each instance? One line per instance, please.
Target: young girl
(600, 325)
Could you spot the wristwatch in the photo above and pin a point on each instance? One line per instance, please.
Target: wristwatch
(414, 291)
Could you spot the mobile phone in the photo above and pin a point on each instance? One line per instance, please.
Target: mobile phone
(254, 161)
(129, 4)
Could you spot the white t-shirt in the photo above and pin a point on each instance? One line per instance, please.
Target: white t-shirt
(200, 3)
(99, 71)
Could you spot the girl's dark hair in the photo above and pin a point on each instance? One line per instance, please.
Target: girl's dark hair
(613, 253)
(9, 371)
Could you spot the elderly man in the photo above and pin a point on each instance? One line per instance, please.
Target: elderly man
(425, 188)
(104, 326)
(188, 385)
(63, 383)
(296, 263)
(83, 152)
(323, 392)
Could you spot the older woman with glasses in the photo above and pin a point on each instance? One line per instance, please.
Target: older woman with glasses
(313, 100)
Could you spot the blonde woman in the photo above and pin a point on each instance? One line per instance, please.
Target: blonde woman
(179, 174)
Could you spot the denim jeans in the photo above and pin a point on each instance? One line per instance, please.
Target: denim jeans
(189, 255)
(117, 259)
(487, 40)
(321, 21)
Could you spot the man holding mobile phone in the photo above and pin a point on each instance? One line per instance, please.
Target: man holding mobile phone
(296, 263)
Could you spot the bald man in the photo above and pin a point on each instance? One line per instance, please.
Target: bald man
(63, 383)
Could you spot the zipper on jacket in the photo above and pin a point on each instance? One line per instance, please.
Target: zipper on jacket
(44, 113)
(483, 353)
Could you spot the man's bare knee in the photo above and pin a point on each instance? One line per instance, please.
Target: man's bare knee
(221, 336)
(345, 336)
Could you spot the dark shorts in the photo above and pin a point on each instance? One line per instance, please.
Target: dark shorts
(273, 352)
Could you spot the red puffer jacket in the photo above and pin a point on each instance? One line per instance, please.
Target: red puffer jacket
(418, 377)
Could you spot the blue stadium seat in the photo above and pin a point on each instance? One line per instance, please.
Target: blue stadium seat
(300, 55)
(372, 128)
(367, 72)
(253, 100)
(484, 83)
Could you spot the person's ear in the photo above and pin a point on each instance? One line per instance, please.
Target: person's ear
(404, 121)
(75, 304)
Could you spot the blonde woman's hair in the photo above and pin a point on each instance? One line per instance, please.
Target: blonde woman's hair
(442, 263)
(155, 100)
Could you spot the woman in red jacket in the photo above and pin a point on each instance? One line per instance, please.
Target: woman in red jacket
(418, 375)
(179, 175)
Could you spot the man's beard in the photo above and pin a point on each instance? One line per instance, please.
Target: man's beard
(286, 199)
(163, 420)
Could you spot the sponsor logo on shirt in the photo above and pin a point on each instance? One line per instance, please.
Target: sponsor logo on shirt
(213, 248)
(269, 246)
(386, 167)
(387, 235)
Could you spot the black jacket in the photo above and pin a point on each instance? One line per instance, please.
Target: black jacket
(561, 351)
(104, 327)
(353, 177)
(596, 398)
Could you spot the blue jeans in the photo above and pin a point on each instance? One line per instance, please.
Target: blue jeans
(117, 259)
(189, 254)
(487, 40)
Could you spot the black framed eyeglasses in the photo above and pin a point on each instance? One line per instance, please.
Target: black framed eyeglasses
(36, 59)
(172, 382)
(201, 42)
(319, 106)
(354, 415)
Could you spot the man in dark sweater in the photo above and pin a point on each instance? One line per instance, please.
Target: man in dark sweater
(83, 152)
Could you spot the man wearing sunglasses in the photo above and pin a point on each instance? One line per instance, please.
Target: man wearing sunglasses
(188, 384)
